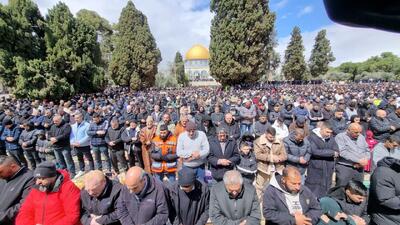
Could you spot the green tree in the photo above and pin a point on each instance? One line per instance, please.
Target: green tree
(21, 35)
(241, 38)
(294, 67)
(321, 55)
(136, 56)
(179, 70)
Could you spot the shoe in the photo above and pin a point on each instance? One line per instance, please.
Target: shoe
(80, 173)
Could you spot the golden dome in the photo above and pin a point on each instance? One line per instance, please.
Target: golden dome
(197, 52)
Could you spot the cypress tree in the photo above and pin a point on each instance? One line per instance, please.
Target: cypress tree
(136, 56)
(321, 55)
(294, 67)
(180, 70)
(241, 36)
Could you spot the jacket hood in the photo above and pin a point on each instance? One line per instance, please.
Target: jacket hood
(275, 182)
(390, 162)
(317, 131)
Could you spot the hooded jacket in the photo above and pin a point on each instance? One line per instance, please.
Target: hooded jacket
(321, 164)
(384, 201)
(13, 193)
(28, 136)
(60, 206)
(296, 150)
(277, 210)
(347, 206)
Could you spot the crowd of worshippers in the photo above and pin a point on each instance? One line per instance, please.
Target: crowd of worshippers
(283, 154)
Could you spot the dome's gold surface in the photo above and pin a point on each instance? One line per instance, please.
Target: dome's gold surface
(197, 52)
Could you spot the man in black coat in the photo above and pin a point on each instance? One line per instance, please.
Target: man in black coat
(384, 201)
(353, 200)
(142, 200)
(116, 146)
(59, 137)
(15, 184)
(190, 199)
(223, 155)
(338, 122)
(324, 150)
(99, 199)
(286, 201)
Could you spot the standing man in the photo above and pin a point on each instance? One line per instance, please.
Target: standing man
(80, 141)
(286, 201)
(190, 199)
(146, 136)
(27, 140)
(353, 155)
(54, 199)
(224, 155)
(166, 120)
(97, 133)
(99, 199)
(271, 156)
(247, 113)
(10, 136)
(384, 199)
(231, 126)
(142, 200)
(298, 151)
(324, 151)
(59, 137)
(234, 201)
(387, 149)
(193, 148)
(15, 185)
(381, 126)
(338, 122)
(116, 146)
(163, 154)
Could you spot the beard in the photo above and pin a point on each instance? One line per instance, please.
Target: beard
(44, 188)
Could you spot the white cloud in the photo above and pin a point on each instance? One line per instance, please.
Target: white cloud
(281, 4)
(306, 10)
(174, 23)
(350, 43)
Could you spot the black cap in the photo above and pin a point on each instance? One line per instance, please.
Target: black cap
(301, 120)
(186, 177)
(45, 170)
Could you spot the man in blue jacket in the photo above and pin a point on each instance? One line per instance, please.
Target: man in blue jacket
(10, 136)
(80, 141)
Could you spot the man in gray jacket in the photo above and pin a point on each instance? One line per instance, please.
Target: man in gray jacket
(387, 149)
(353, 155)
(381, 126)
(15, 184)
(233, 202)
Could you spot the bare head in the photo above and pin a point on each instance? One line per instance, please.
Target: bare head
(8, 167)
(354, 130)
(135, 179)
(228, 118)
(95, 182)
(57, 119)
(233, 181)
(326, 129)
(381, 113)
(291, 179)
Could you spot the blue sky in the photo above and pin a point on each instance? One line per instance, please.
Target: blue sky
(179, 24)
(307, 14)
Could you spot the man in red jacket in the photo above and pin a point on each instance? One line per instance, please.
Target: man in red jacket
(53, 200)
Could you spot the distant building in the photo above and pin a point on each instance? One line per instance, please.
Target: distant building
(197, 64)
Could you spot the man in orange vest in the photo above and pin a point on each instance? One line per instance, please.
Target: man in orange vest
(164, 156)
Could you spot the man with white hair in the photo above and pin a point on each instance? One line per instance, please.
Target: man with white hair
(234, 202)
